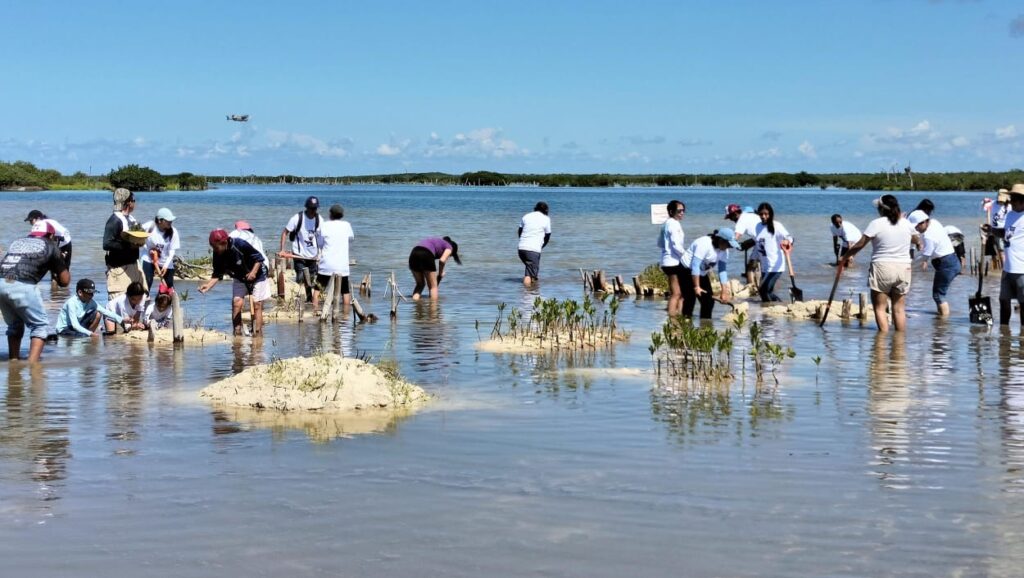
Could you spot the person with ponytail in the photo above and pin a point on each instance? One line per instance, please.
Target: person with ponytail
(890, 236)
(671, 242)
(771, 240)
(424, 270)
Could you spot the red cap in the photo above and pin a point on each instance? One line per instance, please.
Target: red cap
(731, 209)
(164, 289)
(41, 229)
(243, 225)
(218, 236)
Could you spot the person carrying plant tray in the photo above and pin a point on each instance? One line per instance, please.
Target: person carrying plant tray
(243, 263)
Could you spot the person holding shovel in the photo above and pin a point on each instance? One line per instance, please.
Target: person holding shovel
(771, 240)
(704, 254)
(890, 236)
(1012, 284)
(243, 263)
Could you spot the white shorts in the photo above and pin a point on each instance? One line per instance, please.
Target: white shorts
(260, 291)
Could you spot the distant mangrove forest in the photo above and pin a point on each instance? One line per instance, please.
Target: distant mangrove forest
(23, 175)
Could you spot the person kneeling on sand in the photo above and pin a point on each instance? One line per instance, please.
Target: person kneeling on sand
(81, 314)
(243, 263)
(130, 307)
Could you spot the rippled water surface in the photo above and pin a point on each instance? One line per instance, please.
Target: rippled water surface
(898, 456)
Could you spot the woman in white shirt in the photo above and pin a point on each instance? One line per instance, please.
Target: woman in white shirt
(890, 236)
(706, 253)
(939, 248)
(158, 252)
(770, 240)
(671, 242)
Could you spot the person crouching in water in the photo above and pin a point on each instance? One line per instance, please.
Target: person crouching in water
(81, 314)
(243, 263)
(130, 306)
(159, 313)
(706, 253)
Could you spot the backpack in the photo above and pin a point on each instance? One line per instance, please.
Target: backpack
(298, 225)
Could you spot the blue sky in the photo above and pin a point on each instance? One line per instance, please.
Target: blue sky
(389, 86)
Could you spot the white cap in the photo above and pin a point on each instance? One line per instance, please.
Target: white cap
(917, 217)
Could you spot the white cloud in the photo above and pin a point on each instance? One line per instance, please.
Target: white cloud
(1006, 132)
(770, 153)
(807, 149)
(960, 142)
(387, 150)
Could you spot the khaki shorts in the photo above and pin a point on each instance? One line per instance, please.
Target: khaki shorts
(889, 278)
(260, 290)
(118, 278)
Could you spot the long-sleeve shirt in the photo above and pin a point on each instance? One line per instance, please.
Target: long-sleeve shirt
(73, 310)
(119, 251)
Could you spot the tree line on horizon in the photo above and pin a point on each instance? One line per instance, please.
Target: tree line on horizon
(139, 178)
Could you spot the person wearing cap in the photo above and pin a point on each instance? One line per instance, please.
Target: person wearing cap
(122, 258)
(956, 237)
(159, 313)
(243, 263)
(334, 255)
(303, 230)
(771, 241)
(707, 252)
(745, 221)
(421, 263)
(1012, 282)
(939, 248)
(61, 234)
(672, 242)
(244, 231)
(534, 234)
(81, 314)
(27, 261)
(162, 244)
(889, 275)
(844, 234)
(994, 244)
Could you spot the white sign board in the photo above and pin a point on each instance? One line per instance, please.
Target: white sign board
(659, 214)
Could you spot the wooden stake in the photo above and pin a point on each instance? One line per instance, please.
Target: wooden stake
(862, 312)
(177, 319)
(337, 280)
(847, 308)
(636, 286)
(393, 286)
(326, 311)
(282, 264)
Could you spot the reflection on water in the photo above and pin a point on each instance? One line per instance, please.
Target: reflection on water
(584, 467)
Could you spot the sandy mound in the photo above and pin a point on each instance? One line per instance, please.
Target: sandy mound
(319, 426)
(737, 308)
(530, 344)
(799, 310)
(326, 382)
(193, 336)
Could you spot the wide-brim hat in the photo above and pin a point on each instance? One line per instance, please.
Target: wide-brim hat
(1003, 196)
(1017, 189)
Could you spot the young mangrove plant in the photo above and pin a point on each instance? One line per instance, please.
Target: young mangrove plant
(684, 352)
(766, 354)
(560, 324)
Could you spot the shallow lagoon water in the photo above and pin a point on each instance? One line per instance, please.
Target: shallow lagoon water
(902, 458)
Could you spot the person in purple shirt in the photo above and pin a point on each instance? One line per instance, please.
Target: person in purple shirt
(424, 270)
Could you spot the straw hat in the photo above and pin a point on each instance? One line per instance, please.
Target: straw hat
(1018, 189)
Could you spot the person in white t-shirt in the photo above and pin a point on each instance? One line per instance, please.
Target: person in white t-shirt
(844, 234)
(671, 241)
(335, 235)
(130, 306)
(158, 253)
(707, 252)
(303, 231)
(770, 241)
(890, 236)
(534, 234)
(939, 248)
(746, 220)
(1012, 283)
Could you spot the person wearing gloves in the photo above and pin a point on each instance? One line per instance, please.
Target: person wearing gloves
(706, 253)
(939, 248)
(671, 242)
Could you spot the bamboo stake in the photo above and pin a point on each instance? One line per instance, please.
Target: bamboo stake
(326, 311)
(177, 319)
(337, 280)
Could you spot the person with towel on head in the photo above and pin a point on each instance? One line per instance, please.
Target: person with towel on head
(122, 258)
(27, 261)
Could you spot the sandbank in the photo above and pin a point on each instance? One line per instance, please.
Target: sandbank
(531, 344)
(193, 336)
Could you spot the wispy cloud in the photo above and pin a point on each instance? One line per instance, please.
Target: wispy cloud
(772, 135)
(693, 142)
(807, 149)
(644, 140)
(1007, 132)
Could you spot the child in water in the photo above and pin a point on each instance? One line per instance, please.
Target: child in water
(81, 315)
(130, 307)
(159, 314)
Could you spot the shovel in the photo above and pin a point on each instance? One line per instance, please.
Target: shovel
(795, 293)
(980, 307)
(832, 294)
